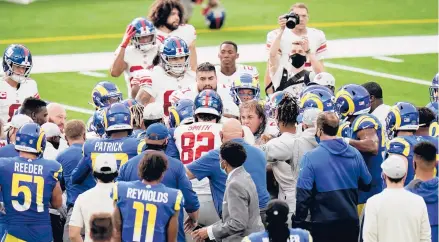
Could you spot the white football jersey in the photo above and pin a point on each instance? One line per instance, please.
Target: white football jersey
(240, 69)
(137, 60)
(192, 91)
(271, 36)
(317, 44)
(162, 85)
(185, 31)
(12, 98)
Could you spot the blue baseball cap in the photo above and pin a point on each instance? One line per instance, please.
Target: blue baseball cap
(157, 131)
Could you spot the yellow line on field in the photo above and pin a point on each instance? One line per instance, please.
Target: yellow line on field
(226, 29)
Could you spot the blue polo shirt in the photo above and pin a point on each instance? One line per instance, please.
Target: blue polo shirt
(69, 159)
(208, 165)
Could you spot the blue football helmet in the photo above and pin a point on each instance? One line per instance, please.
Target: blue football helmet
(16, 56)
(215, 17)
(208, 101)
(144, 28)
(434, 88)
(98, 122)
(181, 113)
(314, 87)
(402, 116)
(129, 102)
(318, 98)
(30, 138)
(352, 99)
(245, 82)
(117, 117)
(174, 47)
(104, 94)
(273, 102)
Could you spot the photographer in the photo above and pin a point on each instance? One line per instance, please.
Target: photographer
(312, 41)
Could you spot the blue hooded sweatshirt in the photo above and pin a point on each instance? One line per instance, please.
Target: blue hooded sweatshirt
(329, 178)
(429, 191)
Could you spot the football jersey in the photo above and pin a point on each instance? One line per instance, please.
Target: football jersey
(185, 31)
(123, 149)
(271, 36)
(240, 69)
(404, 145)
(137, 60)
(162, 85)
(296, 235)
(12, 98)
(316, 40)
(373, 162)
(146, 209)
(27, 187)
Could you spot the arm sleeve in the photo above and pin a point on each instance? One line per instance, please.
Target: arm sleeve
(77, 219)
(370, 229)
(237, 209)
(204, 166)
(277, 76)
(81, 171)
(305, 185)
(122, 173)
(365, 177)
(276, 149)
(185, 186)
(322, 49)
(425, 223)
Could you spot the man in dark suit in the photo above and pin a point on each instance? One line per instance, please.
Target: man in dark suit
(240, 212)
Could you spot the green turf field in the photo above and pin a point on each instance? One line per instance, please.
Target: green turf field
(53, 26)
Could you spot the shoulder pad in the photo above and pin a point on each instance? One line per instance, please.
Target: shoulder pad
(365, 121)
(398, 146)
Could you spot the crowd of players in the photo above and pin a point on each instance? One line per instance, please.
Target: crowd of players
(178, 107)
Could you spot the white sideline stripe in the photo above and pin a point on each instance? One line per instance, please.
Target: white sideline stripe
(388, 59)
(77, 109)
(93, 74)
(378, 74)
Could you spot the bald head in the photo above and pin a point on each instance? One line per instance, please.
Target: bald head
(232, 129)
(57, 115)
(328, 122)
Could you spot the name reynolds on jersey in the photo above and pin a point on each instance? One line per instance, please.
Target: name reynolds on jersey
(200, 127)
(147, 195)
(28, 168)
(111, 147)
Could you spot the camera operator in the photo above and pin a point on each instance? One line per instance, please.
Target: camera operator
(292, 30)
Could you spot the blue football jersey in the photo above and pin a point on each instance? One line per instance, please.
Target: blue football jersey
(404, 145)
(296, 235)
(373, 162)
(146, 209)
(8, 151)
(27, 187)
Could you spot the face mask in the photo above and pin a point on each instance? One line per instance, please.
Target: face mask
(297, 60)
(223, 170)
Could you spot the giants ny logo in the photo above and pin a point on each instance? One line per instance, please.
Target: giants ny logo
(3, 95)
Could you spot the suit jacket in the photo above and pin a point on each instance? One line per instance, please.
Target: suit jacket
(240, 215)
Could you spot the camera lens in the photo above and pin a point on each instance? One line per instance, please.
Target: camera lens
(291, 23)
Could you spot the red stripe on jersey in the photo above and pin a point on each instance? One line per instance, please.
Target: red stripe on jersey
(37, 95)
(160, 38)
(135, 68)
(307, 64)
(321, 47)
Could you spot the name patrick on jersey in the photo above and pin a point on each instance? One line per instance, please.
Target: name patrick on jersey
(110, 147)
(147, 195)
(28, 168)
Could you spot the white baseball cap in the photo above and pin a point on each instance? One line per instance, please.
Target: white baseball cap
(310, 116)
(105, 163)
(230, 108)
(394, 166)
(153, 111)
(324, 79)
(51, 130)
(18, 121)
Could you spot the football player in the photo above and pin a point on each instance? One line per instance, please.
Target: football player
(118, 128)
(353, 103)
(137, 56)
(229, 70)
(245, 88)
(16, 123)
(29, 186)
(167, 17)
(206, 79)
(104, 94)
(157, 138)
(16, 84)
(36, 109)
(172, 74)
(324, 79)
(147, 210)
(402, 123)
